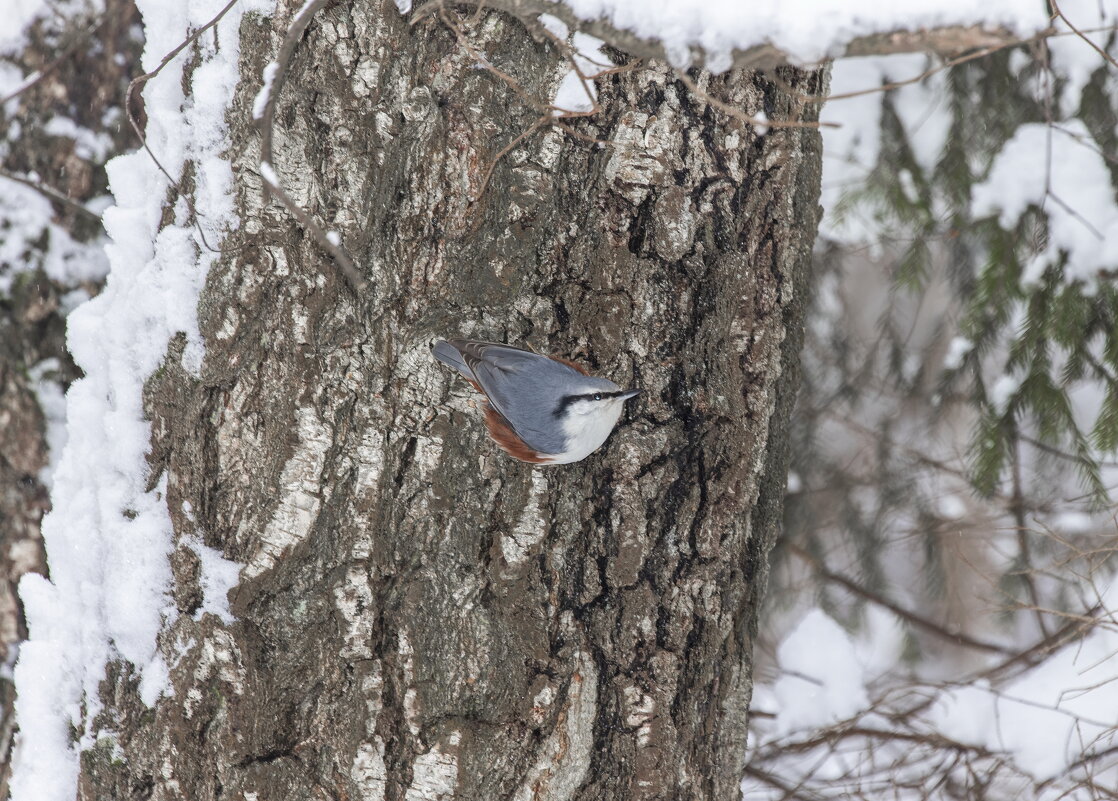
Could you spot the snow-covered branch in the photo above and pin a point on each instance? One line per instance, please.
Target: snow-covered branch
(718, 36)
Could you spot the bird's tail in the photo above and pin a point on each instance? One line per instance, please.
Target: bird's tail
(449, 355)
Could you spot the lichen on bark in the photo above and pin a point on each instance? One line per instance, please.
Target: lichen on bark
(421, 617)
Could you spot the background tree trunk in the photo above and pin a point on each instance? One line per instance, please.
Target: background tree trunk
(419, 616)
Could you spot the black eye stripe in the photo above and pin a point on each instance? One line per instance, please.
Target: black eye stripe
(567, 400)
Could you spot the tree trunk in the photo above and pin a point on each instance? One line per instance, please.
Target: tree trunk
(419, 616)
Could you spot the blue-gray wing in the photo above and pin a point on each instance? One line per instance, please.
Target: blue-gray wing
(523, 387)
(449, 355)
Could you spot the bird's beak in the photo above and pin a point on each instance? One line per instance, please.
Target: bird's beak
(632, 393)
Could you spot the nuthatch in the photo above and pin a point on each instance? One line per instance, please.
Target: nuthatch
(539, 409)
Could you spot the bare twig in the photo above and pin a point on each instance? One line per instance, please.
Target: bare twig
(535, 126)
(1073, 629)
(1059, 13)
(1059, 202)
(789, 790)
(1018, 507)
(483, 60)
(139, 82)
(1085, 141)
(738, 114)
(549, 113)
(945, 65)
(948, 40)
(266, 117)
(1071, 457)
(50, 193)
(76, 40)
(910, 617)
(317, 232)
(885, 87)
(283, 61)
(848, 729)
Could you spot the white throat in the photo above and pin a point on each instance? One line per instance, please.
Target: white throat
(586, 432)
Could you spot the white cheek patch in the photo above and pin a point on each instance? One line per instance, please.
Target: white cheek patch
(582, 408)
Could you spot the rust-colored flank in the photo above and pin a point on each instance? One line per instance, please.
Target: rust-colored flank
(503, 435)
(569, 363)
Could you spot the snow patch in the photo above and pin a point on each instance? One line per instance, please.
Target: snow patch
(555, 26)
(576, 93)
(52, 401)
(264, 95)
(821, 677)
(108, 537)
(1051, 716)
(218, 576)
(957, 350)
(1003, 390)
(851, 151)
(26, 222)
(1074, 59)
(19, 15)
(87, 144)
(1074, 191)
(807, 30)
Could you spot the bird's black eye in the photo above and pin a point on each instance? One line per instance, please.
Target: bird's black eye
(597, 396)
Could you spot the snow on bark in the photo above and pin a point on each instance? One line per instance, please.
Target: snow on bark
(804, 32)
(109, 534)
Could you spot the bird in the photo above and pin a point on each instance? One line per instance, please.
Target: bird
(538, 409)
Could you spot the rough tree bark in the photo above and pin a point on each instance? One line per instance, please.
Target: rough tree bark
(419, 616)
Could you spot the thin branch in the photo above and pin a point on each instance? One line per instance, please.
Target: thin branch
(1059, 13)
(885, 87)
(954, 62)
(1071, 457)
(569, 53)
(1072, 630)
(948, 40)
(317, 232)
(139, 82)
(535, 126)
(283, 61)
(77, 39)
(846, 730)
(738, 114)
(911, 617)
(1087, 142)
(1084, 760)
(483, 60)
(266, 120)
(790, 791)
(51, 193)
(1017, 506)
(547, 111)
(1059, 202)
